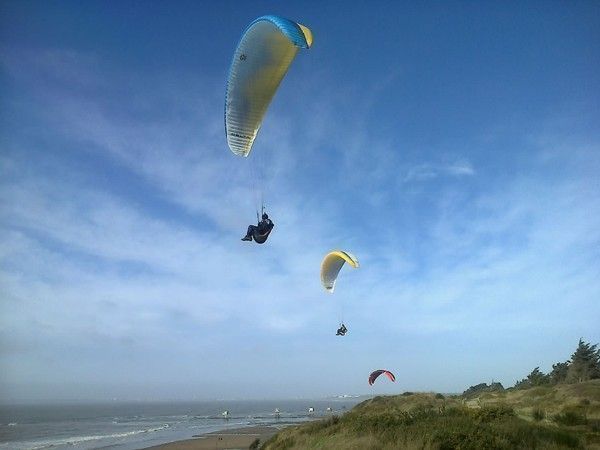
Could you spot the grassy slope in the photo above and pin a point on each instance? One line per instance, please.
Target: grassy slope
(566, 416)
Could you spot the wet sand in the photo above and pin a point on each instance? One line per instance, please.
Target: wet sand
(239, 438)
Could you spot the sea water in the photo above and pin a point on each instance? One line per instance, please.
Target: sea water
(129, 426)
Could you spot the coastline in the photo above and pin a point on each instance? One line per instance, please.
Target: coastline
(238, 438)
(136, 426)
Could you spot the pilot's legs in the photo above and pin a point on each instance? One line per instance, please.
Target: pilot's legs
(249, 233)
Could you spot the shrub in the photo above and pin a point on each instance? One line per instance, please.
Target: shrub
(320, 425)
(439, 396)
(570, 418)
(255, 444)
(490, 413)
(538, 414)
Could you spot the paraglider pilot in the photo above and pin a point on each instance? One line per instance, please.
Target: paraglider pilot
(341, 331)
(259, 232)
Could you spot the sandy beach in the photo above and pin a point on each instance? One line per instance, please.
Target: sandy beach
(239, 438)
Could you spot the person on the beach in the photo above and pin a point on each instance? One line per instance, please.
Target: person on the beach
(341, 331)
(259, 232)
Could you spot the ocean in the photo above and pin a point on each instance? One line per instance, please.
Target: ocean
(131, 426)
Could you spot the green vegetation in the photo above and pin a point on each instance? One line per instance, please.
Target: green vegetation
(558, 410)
(481, 388)
(424, 421)
(538, 414)
(570, 418)
(583, 366)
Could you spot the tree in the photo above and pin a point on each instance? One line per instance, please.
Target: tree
(559, 372)
(535, 378)
(483, 387)
(585, 363)
(522, 384)
(538, 378)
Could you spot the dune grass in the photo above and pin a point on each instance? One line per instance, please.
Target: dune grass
(538, 418)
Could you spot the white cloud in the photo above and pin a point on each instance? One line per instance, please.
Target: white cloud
(428, 171)
(92, 270)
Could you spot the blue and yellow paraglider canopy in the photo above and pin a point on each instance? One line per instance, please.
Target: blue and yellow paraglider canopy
(261, 60)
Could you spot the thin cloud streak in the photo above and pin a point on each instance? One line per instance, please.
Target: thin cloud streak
(427, 171)
(104, 276)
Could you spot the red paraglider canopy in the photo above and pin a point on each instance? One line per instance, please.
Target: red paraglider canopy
(375, 374)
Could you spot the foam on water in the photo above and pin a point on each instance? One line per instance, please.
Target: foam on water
(77, 440)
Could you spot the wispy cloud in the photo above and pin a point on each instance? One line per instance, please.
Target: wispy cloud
(156, 266)
(428, 171)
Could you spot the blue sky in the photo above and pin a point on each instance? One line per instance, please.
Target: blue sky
(453, 147)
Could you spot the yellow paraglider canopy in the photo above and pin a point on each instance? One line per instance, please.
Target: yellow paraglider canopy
(331, 266)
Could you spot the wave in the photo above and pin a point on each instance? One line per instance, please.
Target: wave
(80, 439)
(132, 420)
(270, 416)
